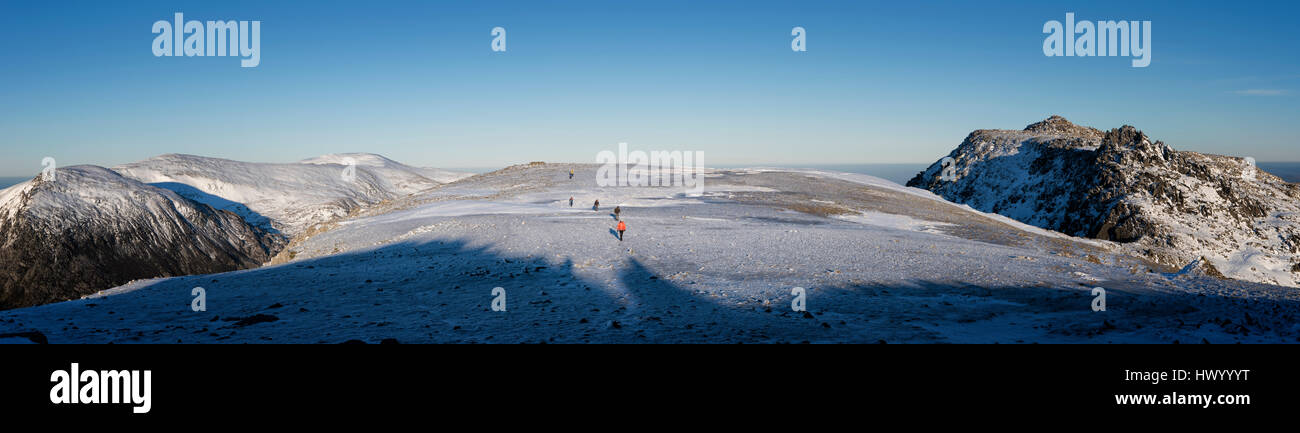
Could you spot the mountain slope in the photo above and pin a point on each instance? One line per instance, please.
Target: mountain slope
(91, 229)
(1170, 206)
(286, 197)
(404, 174)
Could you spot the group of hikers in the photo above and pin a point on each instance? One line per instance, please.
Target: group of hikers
(618, 210)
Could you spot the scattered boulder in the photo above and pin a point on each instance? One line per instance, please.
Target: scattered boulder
(255, 319)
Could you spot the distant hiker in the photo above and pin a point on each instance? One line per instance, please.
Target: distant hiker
(570, 174)
(570, 201)
(617, 210)
(596, 206)
(621, 227)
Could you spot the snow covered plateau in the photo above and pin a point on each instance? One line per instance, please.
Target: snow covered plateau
(415, 255)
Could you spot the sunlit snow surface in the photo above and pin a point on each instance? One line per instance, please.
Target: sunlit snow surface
(880, 262)
(287, 197)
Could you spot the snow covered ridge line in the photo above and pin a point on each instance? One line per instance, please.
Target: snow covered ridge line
(657, 168)
(1102, 39)
(244, 41)
(289, 197)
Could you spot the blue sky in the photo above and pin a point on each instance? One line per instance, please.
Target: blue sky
(884, 82)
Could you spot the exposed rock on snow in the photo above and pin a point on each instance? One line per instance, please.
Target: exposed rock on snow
(92, 229)
(1200, 266)
(1170, 206)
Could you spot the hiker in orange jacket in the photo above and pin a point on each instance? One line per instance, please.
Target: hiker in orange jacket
(621, 227)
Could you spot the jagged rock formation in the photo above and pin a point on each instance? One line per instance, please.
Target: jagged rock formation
(1170, 206)
(91, 229)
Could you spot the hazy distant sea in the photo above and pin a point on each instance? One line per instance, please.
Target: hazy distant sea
(897, 173)
(901, 173)
(6, 182)
(1288, 171)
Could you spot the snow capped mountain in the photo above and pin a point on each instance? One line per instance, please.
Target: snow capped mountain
(1173, 207)
(94, 228)
(287, 197)
(91, 228)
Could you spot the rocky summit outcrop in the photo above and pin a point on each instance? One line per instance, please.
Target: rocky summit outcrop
(1173, 207)
(91, 229)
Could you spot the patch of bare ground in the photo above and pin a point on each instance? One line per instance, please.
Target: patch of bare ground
(830, 197)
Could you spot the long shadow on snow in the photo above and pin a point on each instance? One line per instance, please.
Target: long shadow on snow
(198, 195)
(442, 291)
(965, 313)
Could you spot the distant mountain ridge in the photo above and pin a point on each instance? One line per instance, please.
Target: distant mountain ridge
(290, 197)
(380, 162)
(1173, 207)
